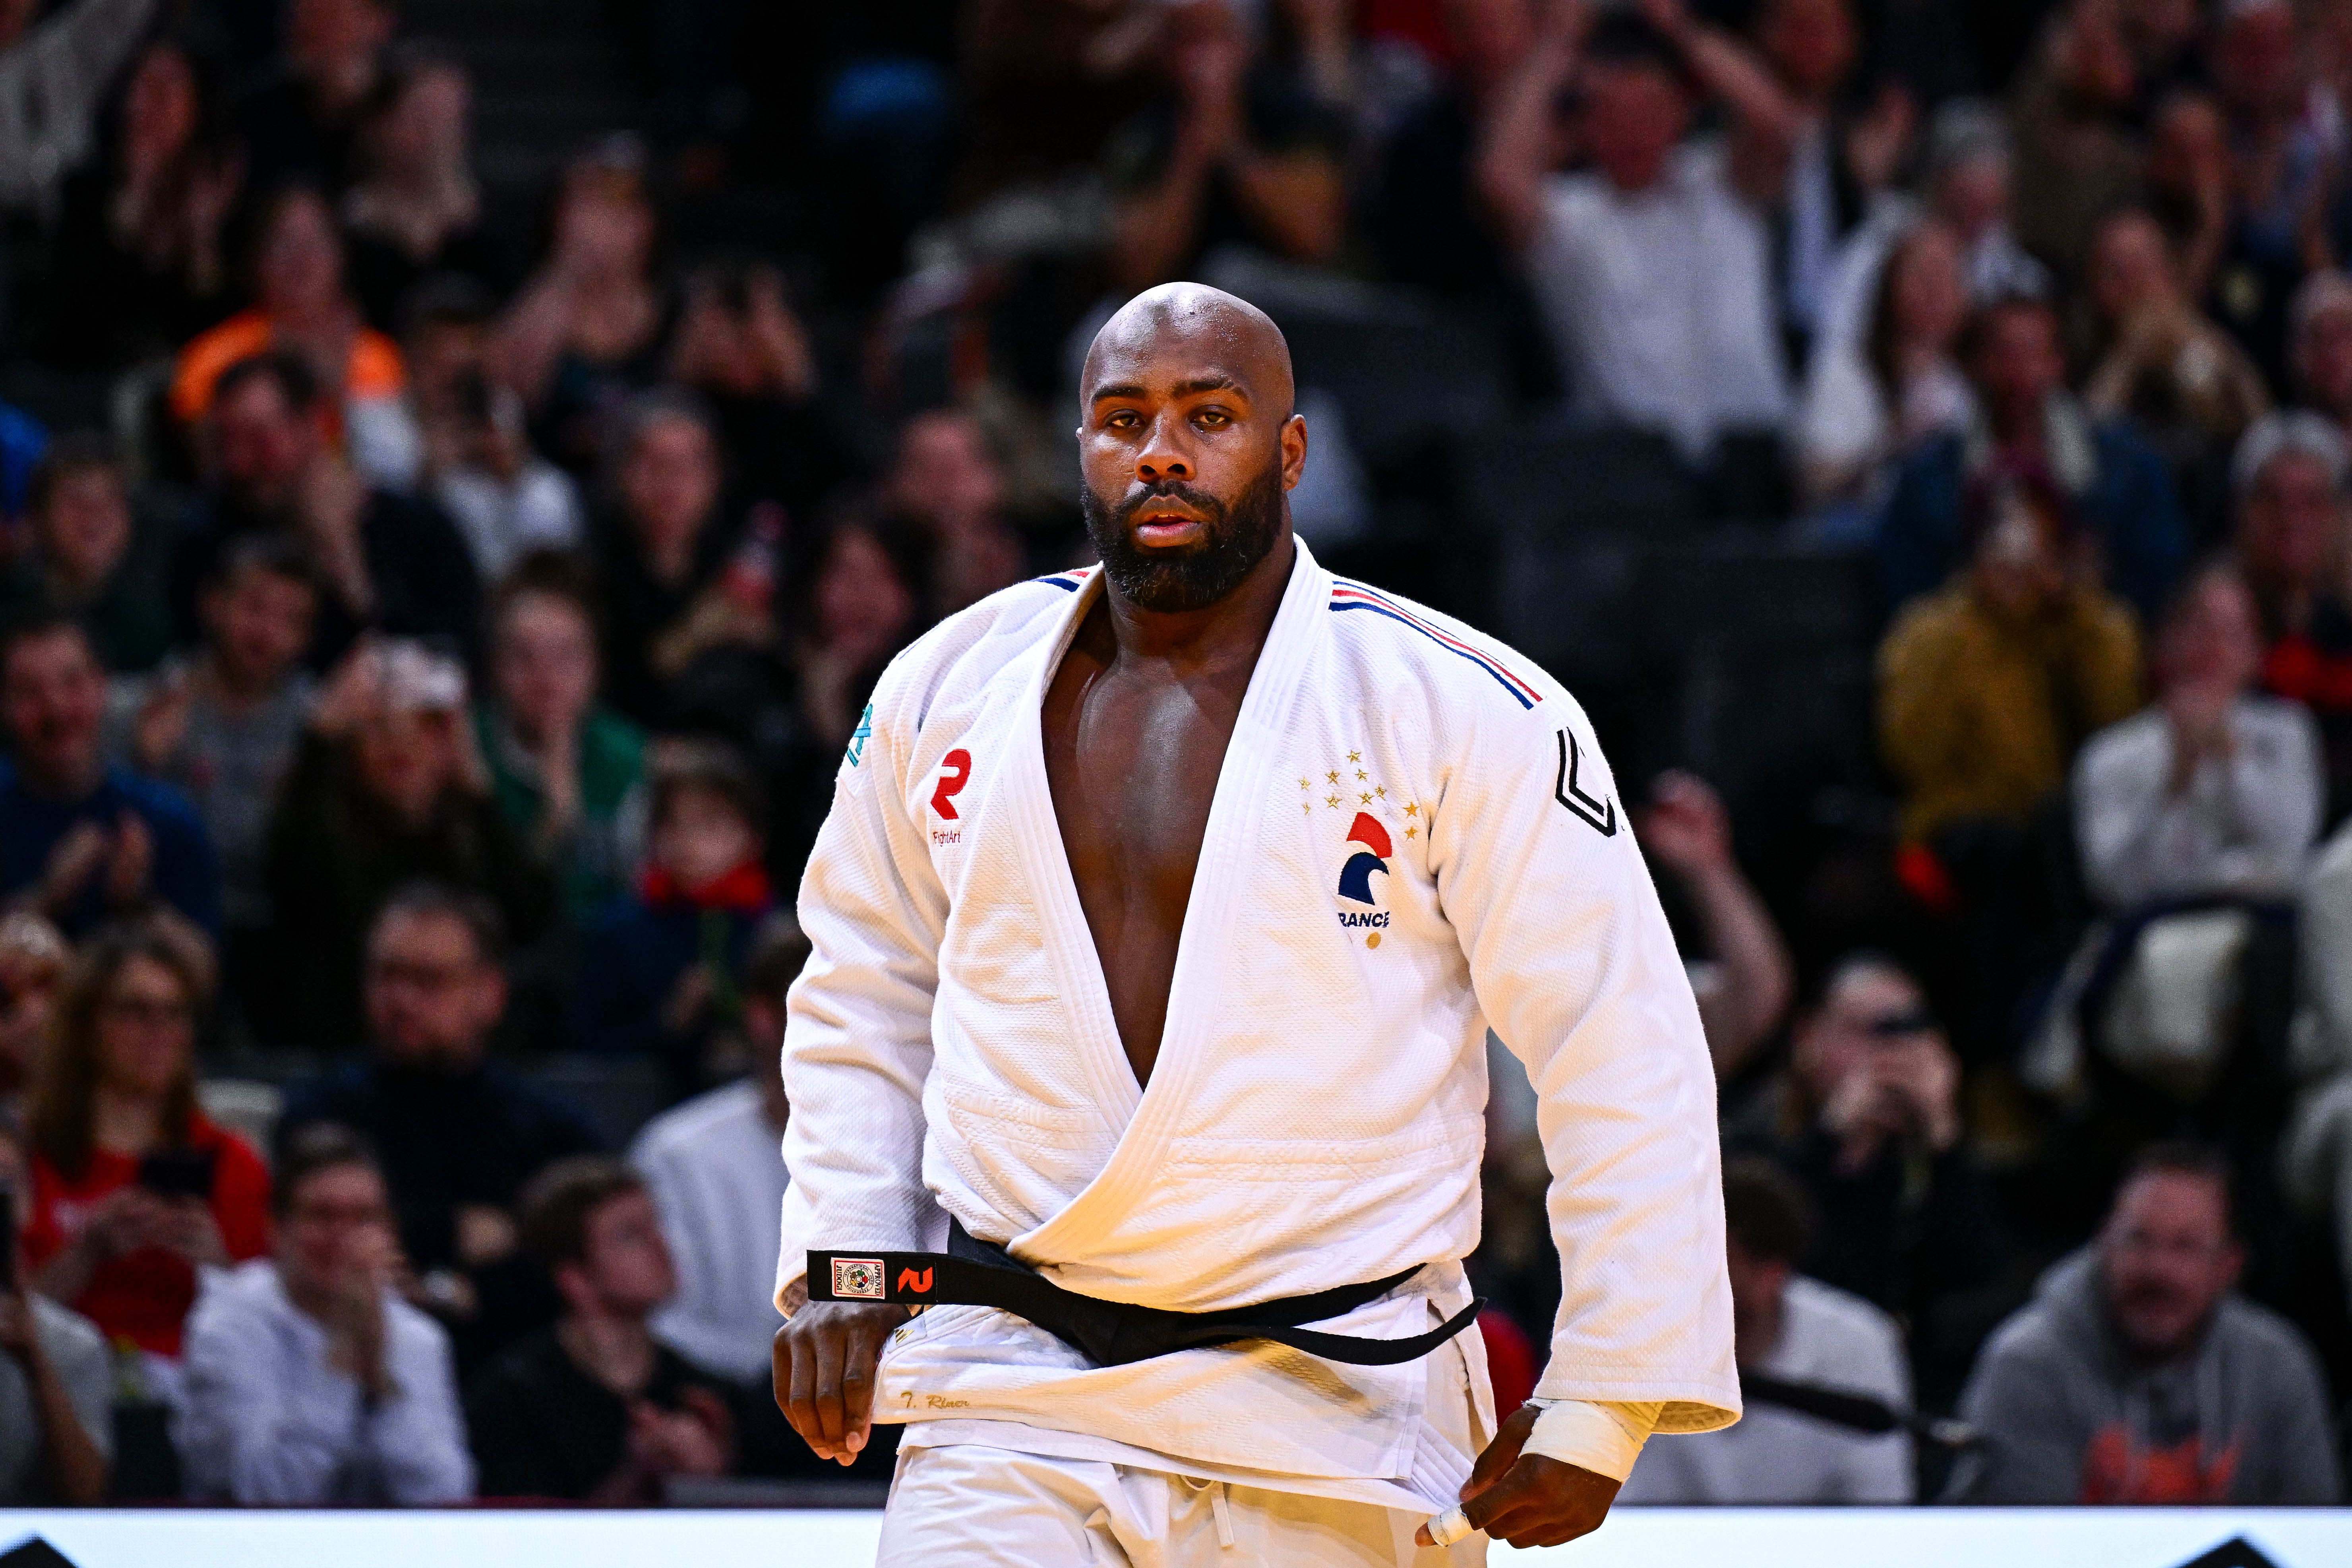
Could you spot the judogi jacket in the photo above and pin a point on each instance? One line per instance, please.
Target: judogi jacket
(1413, 837)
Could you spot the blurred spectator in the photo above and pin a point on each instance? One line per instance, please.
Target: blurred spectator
(2320, 346)
(387, 788)
(948, 479)
(302, 121)
(2077, 152)
(144, 248)
(457, 1134)
(303, 308)
(584, 334)
(382, 560)
(664, 595)
(741, 350)
(134, 1190)
(54, 73)
(2137, 1376)
(311, 1382)
(1868, 1117)
(2212, 789)
(1241, 150)
(1873, 397)
(1743, 983)
(854, 610)
(2157, 361)
(415, 212)
(2282, 143)
(81, 840)
(90, 557)
(1790, 1329)
(2315, 1153)
(596, 1409)
(1653, 273)
(2032, 432)
(2294, 542)
(1968, 164)
(32, 972)
(57, 1381)
(657, 971)
(567, 770)
(480, 465)
(1985, 688)
(221, 722)
(2187, 185)
(716, 1170)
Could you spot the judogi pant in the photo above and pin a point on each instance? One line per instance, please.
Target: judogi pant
(966, 1504)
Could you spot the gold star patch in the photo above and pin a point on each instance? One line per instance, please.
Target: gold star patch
(1381, 792)
(1333, 777)
(1412, 810)
(1413, 833)
(1362, 774)
(1365, 798)
(1302, 784)
(1331, 800)
(1355, 756)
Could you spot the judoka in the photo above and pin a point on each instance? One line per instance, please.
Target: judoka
(1157, 925)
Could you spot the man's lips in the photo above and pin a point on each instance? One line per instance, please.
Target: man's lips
(1167, 523)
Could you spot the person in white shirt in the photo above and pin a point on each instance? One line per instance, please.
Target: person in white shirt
(1157, 927)
(308, 1381)
(1653, 272)
(1795, 1331)
(56, 1377)
(2213, 789)
(716, 1170)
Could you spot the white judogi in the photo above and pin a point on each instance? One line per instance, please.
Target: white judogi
(1413, 837)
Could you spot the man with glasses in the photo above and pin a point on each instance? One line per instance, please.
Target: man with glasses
(2137, 1376)
(309, 1380)
(458, 1134)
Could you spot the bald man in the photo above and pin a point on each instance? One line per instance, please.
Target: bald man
(1137, 1076)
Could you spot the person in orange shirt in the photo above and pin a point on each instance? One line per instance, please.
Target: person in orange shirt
(134, 1189)
(305, 307)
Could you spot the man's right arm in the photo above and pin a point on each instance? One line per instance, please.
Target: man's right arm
(857, 1050)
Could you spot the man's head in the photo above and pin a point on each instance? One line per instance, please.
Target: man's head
(1637, 103)
(257, 610)
(2210, 634)
(334, 1212)
(418, 119)
(669, 469)
(264, 427)
(2320, 327)
(2131, 267)
(543, 649)
(1187, 445)
(297, 263)
(409, 751)
(2166, 1254)
(434, 989)
(2014, 360)
(1769, 1226)
(704, 813)
(1811, 44)
(2258, 61)
(777, 953)
(1967, 167)
(53, 696)
(1868, 1005)
(589, 1221)
(80, 510)
(947, 472)
(2289, 476)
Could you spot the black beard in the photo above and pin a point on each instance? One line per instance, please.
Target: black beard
(1239, 537)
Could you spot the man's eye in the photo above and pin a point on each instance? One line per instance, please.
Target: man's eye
(1122, 420)
(1213, 418)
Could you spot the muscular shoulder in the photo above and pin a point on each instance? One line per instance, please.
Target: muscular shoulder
(968, 649)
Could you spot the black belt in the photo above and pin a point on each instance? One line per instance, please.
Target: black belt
(975, 1273)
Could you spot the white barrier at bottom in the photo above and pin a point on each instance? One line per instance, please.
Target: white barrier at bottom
(1633, 1538)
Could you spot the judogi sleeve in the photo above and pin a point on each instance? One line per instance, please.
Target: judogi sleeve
(857, 1032)
(1577, 973)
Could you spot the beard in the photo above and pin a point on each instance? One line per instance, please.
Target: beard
(1239, 537)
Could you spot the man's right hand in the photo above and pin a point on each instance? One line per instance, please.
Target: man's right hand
(825, 1362)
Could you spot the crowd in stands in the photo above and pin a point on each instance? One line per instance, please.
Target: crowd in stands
(436, 590)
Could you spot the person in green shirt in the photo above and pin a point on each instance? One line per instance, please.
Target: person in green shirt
(567, 772)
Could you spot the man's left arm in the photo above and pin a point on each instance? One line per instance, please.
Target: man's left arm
(1577, 973)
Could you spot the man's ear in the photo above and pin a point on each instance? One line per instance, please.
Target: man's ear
(1293, 451)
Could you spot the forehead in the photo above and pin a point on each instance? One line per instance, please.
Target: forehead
(1160, 350)
(348, 1182)
(2172, 1197)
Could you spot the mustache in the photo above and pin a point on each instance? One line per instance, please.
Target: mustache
(1201, 501)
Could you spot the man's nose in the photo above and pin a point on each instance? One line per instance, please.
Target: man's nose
(1163, 456)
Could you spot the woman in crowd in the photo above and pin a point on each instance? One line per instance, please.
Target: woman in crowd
(134, 1190)
(32, 971)
(1870, 400)
(566, 769)
(416, 213)
(304, 306)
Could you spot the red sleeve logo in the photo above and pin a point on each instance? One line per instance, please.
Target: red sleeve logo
(955, 772)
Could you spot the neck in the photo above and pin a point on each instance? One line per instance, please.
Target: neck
(1234, 626)
(614, 1348)
(125, 1124)
(311, 1296)
(238, 688)
(69, 780)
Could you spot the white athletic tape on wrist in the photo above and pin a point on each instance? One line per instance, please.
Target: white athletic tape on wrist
(1605, 1438)
(1449, 1527)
